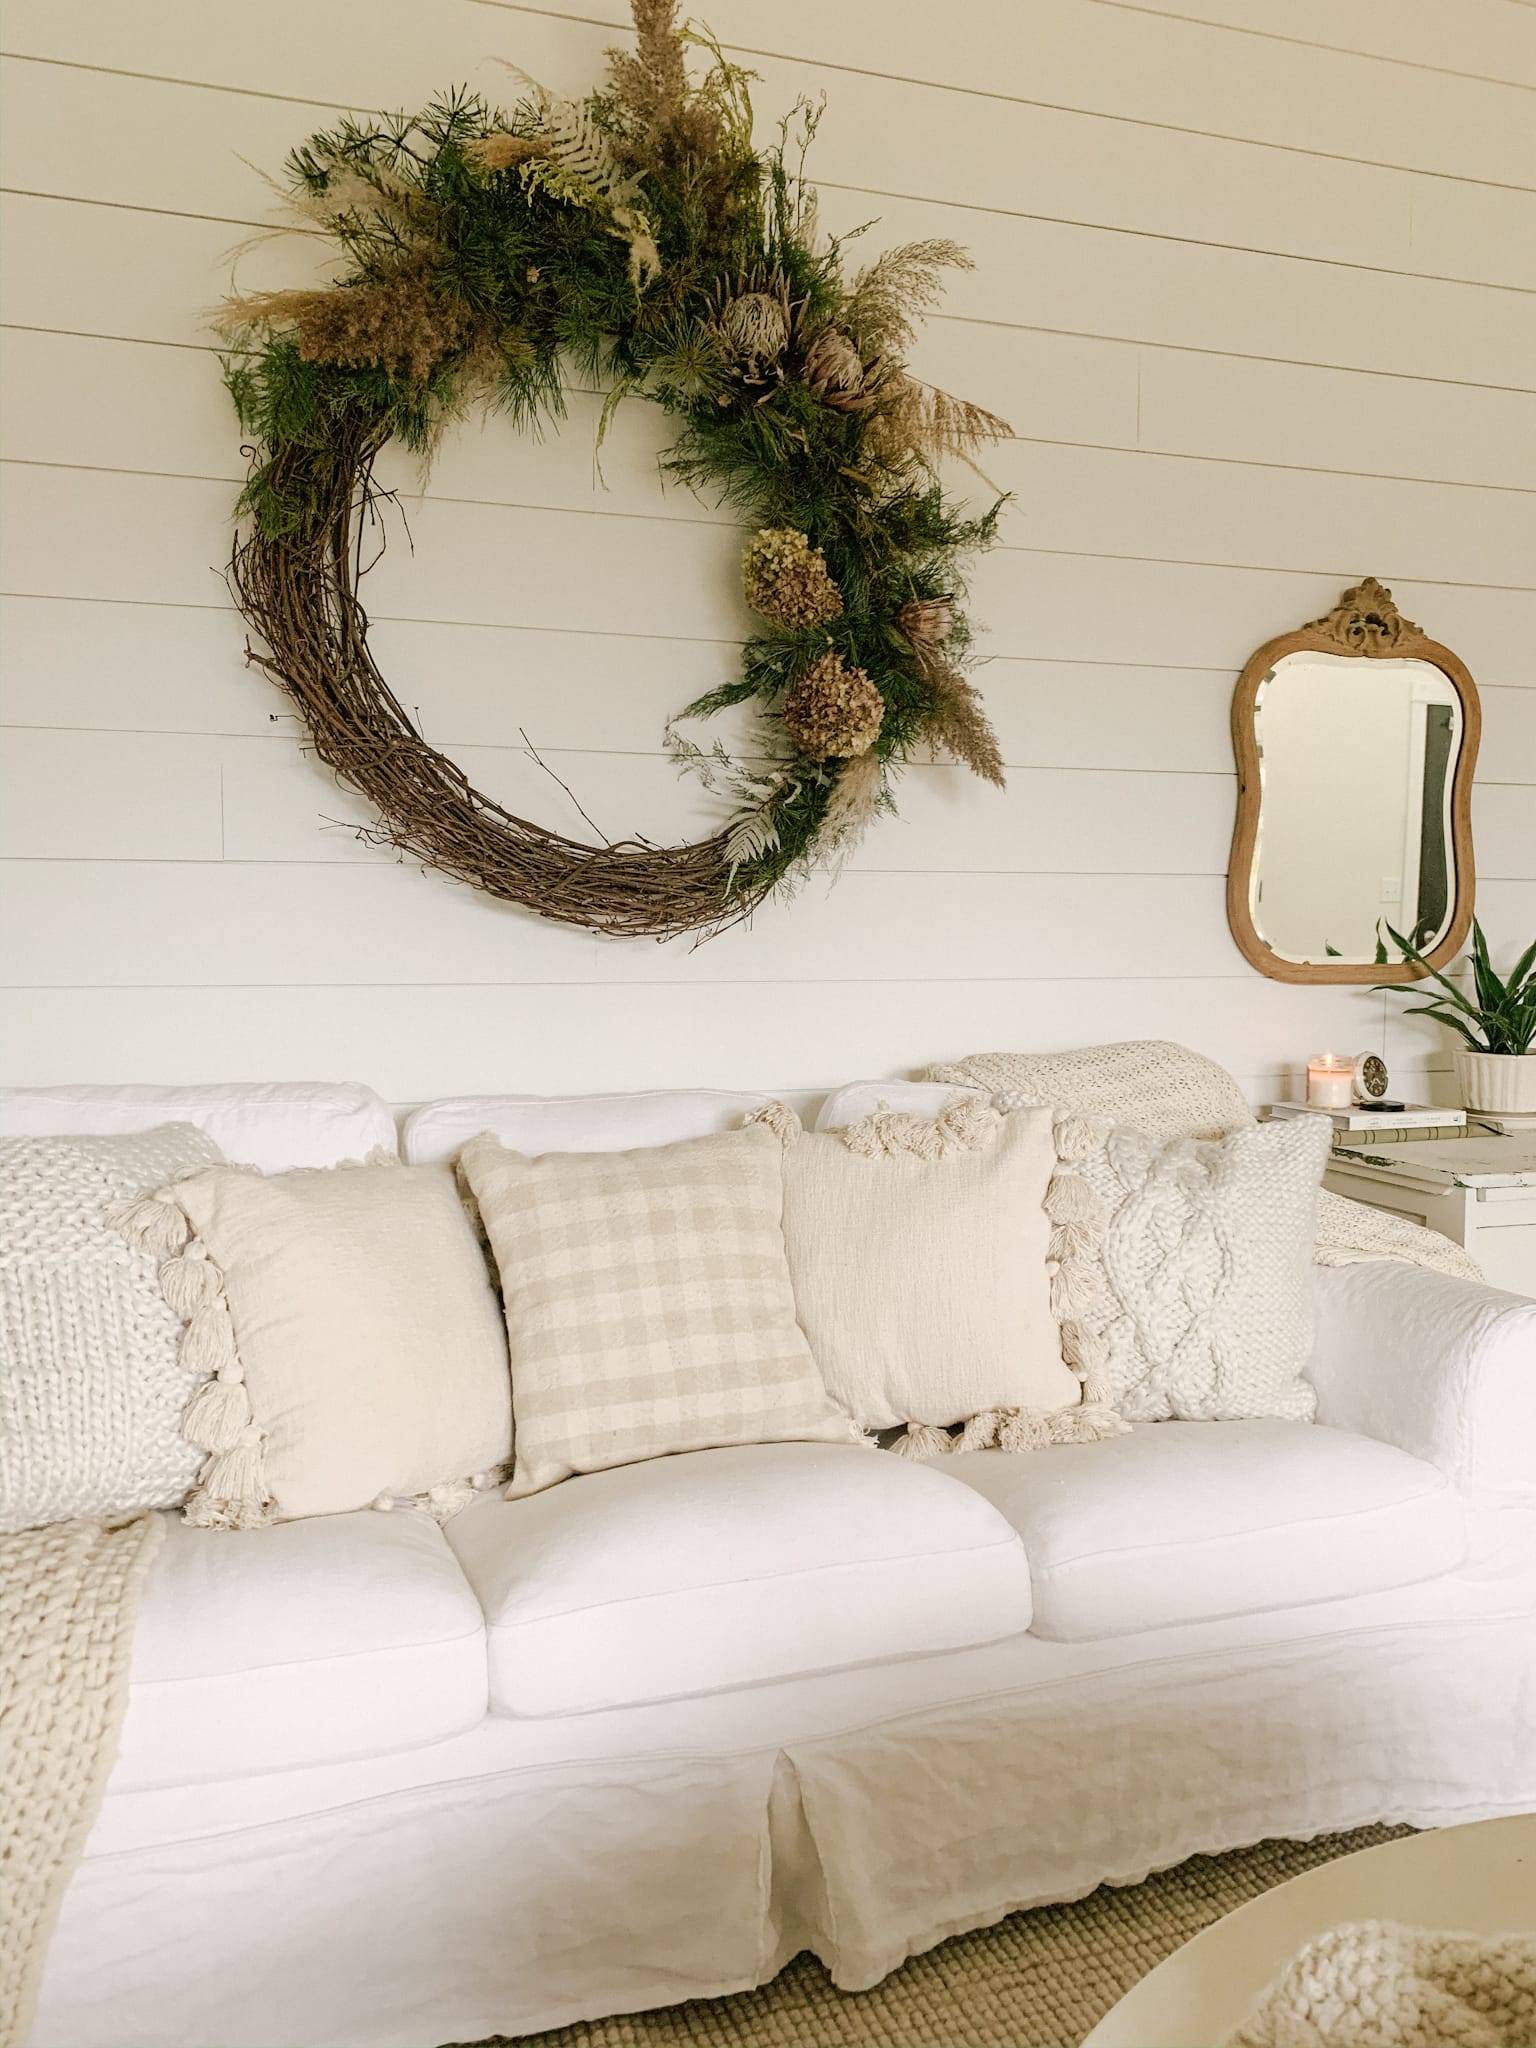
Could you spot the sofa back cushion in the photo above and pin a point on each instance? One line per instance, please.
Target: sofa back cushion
(535, 1124)
(274, 1125)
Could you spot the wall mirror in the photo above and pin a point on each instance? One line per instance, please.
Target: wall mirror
(1356, 738)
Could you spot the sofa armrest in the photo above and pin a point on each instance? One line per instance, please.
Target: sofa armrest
(1444, 1368)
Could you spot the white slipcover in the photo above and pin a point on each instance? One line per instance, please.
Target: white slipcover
(724, 1568)
(1441, 1367)
(1193, 1521)
(306, 1643)
(573, 1123)
(274, 1125)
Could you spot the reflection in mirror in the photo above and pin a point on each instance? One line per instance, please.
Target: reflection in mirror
(1356, 766)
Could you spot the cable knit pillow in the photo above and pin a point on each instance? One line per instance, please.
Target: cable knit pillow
(91, 1387)
(920, 1250)
(648, 1303)
(349, 1321)
(1184, 1285)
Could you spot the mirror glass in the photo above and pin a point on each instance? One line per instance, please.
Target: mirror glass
(1356, 765)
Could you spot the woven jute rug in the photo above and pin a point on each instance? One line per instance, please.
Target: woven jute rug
(1037, 1980)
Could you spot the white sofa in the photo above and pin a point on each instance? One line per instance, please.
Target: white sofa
(647, 1735)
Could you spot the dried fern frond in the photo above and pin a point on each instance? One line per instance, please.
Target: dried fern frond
(960, 728)
(891, 294)
(578, 159)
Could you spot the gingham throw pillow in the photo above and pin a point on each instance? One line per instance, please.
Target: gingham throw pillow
(649, 1304)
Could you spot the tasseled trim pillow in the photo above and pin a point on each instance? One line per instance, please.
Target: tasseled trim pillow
(345, 1336)
(920, 1251)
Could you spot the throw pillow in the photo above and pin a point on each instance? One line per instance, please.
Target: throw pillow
(91, 1387)
(919, 1252)
(1184, 1285)
(648, 1303)
(349, 1320)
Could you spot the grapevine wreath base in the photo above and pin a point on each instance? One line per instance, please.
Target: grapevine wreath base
(636, 242)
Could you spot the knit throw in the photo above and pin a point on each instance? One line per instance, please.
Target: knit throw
(1375, 1984)
(68, 1598)
(1168, 1091)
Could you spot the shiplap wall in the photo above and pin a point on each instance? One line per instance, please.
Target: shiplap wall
(1257, 289)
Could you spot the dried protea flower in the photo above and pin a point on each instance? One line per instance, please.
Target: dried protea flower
(837, 373)
(785, 579)
(927, 621)
(755, 326)
(500, 151)
(834, 711)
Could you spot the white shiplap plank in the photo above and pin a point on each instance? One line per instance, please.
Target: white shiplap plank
(1160, 69)
(1483, 38)
(414, 1043)
(1045, 161)
(357, 922)
(1509, 736)
(1332, 419)
(280, 805)
(89, 401)
(144, 667)
(106, 269)
(1062, 53)
(109, 796)
(117, 405)
(1504, 832)
(626, 576)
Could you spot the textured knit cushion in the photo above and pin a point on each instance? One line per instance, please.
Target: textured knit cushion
(918, 1249)
(648, 1302)
(350, 1320)
(763, 1562)
(91, 1386)
(1184, 1285)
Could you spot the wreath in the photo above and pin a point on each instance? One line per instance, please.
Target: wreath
(635, 241)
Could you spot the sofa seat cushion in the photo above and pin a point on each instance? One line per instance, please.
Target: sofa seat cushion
(715, 1569)
(1192, 1521)
(309, 1642)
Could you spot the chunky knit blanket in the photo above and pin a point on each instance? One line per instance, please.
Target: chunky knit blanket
(1167, 1091)
(68, 1598)
(1374, 1984)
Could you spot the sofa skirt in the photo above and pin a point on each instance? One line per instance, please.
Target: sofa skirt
(479, 1888)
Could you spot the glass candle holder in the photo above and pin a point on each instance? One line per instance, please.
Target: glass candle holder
(1330, 1081)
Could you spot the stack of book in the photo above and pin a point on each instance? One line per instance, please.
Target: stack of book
(1357, 1128)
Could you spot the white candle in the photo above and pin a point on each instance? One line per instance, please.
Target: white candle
(1330, 1081)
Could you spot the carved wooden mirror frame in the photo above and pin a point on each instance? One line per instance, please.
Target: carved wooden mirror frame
(1368, 624)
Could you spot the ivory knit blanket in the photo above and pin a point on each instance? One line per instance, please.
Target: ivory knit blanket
(1374, 1984)
(68, 1598)
(1168, 1091)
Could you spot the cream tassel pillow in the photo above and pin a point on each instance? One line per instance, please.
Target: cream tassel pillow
(346, 1334)
(922, 1260)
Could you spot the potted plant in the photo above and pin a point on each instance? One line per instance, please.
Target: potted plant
(1496, 1067)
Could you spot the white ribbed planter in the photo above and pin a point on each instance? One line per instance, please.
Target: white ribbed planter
(1496, 1081)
